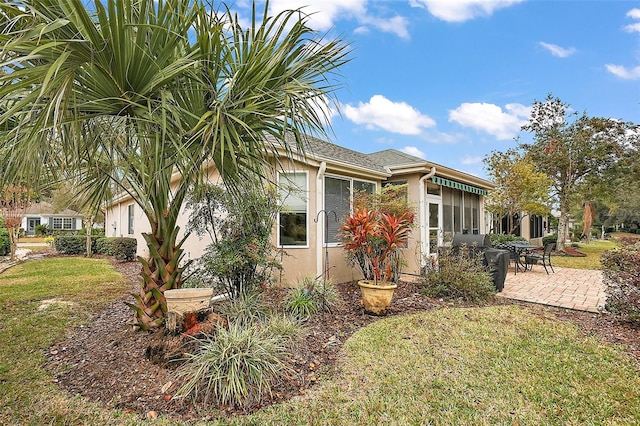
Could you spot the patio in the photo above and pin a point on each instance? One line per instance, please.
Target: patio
(578, 289)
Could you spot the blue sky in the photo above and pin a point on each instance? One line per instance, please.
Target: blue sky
(452, 80)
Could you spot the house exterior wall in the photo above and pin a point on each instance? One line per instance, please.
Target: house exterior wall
(311, 258)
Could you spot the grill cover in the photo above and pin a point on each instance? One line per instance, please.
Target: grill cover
(480, 241)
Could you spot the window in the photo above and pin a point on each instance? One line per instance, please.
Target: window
(292, 220)
(536, 226)
(130, 219)
(67, 223)
(460, 212)
(337, 198)
(57, 223)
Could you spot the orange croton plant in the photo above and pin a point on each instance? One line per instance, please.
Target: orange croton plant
(373, 240)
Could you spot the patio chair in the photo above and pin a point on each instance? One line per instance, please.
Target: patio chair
(544, 257)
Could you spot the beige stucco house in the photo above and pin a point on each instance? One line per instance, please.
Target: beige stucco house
(447, 201)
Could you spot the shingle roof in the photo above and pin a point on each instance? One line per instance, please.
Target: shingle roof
(44, 208)
(392, 157)
(330, 151)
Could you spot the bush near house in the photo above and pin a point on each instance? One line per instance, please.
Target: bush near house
(124, 249)
(621, 277)
(42, 230)
(105, 246)
(550, 239)
(73, 244)
(498, 239)
(5, 245)
(457, 276)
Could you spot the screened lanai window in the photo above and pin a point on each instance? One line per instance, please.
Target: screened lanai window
(337, 198)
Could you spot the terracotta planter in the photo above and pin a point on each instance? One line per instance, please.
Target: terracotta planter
(376, 298)
(188, 299)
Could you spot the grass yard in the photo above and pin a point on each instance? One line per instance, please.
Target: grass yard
(478, 366)
(80, 286)
(593, 250)
(463, 366)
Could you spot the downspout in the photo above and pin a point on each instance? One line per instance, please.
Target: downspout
(423, 214)
(321, 223)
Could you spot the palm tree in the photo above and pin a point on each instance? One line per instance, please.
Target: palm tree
(135, 96)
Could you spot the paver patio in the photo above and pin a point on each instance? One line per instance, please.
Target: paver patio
(578, 289)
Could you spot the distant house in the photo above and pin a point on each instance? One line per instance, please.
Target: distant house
(447, 201)
(42, 213)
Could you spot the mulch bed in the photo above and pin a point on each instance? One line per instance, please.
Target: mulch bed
(106, 361)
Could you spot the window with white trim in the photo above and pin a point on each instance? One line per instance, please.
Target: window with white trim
(130, 213)
(338, 198)
(293, 217)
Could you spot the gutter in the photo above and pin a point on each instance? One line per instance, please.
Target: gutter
(423, 214)
(320, 225)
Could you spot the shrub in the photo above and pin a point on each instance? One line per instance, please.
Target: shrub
(549, 239)
(42, 230)
(621, 277)
(300, 304)
(241, 256)
(284, 326)
(311, 295)
(237, 367)
(72, 244)
(5, 244)
(105, 246)
(457, 276)
(124, 248)
(498, 239)
(248, 308)
(96, 232)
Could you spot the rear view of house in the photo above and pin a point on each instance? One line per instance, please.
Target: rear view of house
(316, 190)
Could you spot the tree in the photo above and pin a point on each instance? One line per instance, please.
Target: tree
(138, 95)
(569, 152)
(14, 200)
(241, 255)
(520, 188)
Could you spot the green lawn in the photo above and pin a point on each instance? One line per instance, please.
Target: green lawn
(27, 392)
(593, 250)
(494, 365)
(464, 366)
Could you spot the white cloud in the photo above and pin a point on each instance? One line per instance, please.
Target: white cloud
(634, 14)
(491, 119)
(412, 150)
(396, 25)
(395, 117)
(462, 10)
(633, 28)
(623, 72)
(324, 13)
(468, 160)
(558, 51)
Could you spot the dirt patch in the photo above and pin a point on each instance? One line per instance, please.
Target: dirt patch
(106, 361)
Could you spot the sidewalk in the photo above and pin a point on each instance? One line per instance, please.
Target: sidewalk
(578, 289)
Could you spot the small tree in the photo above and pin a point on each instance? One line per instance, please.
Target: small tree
(14, 200)
(241, 255)
(520, 187)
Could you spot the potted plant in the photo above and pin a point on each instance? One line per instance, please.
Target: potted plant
(373, 240)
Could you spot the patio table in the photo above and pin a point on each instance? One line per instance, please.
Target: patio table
(520, 249)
